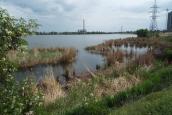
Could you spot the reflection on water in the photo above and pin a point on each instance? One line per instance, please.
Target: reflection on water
(84, 58)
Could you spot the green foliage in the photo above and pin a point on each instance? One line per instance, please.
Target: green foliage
(80, 95)
(147, 33)
(90, 109)
(30, 96)
(12, 30)
(167, 39)
(157, 81)
(168, 53)
(158, 103)
(142, 33)
(77, 95)
(23, 42)
(154, 34)
(19, 98)
(10, 101)
(15, 97)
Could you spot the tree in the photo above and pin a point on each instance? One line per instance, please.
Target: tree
(15, 97)
(142, 33)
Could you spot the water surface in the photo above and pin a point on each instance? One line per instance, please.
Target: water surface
(84, 59)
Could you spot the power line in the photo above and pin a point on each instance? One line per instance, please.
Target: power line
(154, 16)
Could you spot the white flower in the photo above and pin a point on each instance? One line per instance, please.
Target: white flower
(22, 88)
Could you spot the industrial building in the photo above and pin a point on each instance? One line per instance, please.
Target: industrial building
(83, 30)
(169, 24)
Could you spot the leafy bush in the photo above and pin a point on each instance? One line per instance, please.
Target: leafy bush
(30, 96)
(15, 97)
(142, 33)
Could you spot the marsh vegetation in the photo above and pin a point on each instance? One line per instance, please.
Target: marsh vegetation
(108, 90)
(134, 80)
(42, 56)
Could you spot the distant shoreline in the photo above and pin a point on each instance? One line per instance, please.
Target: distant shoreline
(76, 33)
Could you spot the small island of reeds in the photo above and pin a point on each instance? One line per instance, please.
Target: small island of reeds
(42, 56)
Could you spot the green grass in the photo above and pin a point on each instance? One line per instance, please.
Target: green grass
(80, 101)
(159, 103)
(78, 94)
(156, 81)
(167, 39)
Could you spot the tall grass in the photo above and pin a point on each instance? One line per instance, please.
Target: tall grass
(42, 56)
(145, 59)
(113, 57)
(83, 92)
(51, 89)
(155, 82)
(68, 56)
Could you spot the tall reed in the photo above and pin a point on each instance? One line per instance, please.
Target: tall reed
(52, 90)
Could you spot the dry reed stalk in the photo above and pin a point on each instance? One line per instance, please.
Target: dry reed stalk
(114, 57)
(145, 59)
(52, 90)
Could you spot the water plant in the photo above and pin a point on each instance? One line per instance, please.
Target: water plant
(42, 56)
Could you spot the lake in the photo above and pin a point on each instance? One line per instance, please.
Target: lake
(84, 59)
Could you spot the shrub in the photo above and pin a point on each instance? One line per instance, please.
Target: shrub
(15, 97)
(142, 33)
(30, 96)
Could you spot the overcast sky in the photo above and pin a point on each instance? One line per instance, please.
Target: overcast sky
(100, 15)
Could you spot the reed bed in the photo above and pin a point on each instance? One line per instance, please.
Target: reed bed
(113, 57)
(81, 92)
(112, 54)
(137, 42)
(51, 89)
(41, 56)
(145, 60)
(68, 56)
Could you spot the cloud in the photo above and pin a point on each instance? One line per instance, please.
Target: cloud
(100, 15)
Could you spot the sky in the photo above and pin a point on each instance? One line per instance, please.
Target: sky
(100, 15)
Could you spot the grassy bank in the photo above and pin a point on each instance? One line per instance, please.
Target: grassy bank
(102, 95)
(33, 57)
(93, 89)
(157, 81)
(158, 103)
